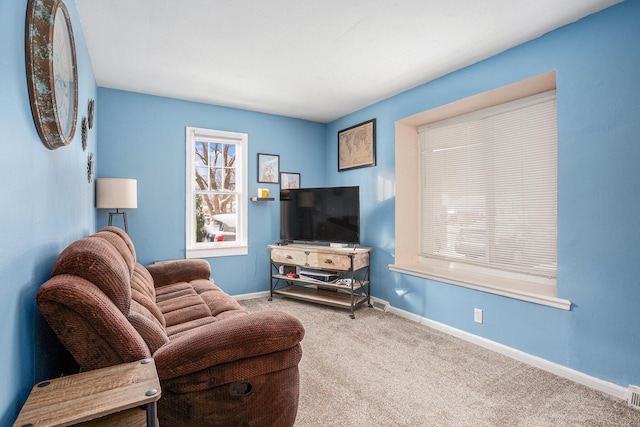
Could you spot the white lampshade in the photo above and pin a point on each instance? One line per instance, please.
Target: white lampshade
(116, 193)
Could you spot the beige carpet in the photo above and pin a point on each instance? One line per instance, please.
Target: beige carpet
(383, 370)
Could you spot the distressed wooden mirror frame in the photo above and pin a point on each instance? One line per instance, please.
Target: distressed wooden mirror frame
(52, 72)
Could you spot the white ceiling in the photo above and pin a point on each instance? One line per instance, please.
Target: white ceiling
(310, 59)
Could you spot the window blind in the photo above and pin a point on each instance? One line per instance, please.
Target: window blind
(488, 187)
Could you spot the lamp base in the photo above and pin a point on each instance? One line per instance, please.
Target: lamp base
(124, 217)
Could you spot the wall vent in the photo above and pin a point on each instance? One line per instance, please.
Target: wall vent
(380, 305)
(634, 397)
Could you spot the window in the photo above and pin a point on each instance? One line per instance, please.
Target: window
(216, 206)
(488, 188)
(475, 196)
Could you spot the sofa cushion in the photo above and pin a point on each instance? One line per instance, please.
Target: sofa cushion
(175, 271)
(122, 235)
(121, 243)
(143, 291)
(186, 327)
(99, 262)
(91, 327)
(218, 302)
(153, 334)
(180, 303)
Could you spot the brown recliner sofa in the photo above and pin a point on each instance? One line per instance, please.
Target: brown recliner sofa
(218, 365)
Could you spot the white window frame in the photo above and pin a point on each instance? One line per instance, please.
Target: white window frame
(407, 197)
(216, 249)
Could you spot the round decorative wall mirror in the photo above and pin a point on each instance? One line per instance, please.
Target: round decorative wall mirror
(52, 72)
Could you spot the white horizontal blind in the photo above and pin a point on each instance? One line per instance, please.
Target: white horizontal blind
(488, 187)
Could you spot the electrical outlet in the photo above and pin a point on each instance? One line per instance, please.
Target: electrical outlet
(477, 315)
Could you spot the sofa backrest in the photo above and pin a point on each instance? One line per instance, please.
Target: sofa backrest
(144, 314)
(101, 302)
(98, 261)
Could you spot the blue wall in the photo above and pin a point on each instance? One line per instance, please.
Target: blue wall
(143, 137)
(597, 61)
(47, 202)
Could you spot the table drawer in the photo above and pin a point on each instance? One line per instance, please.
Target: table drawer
(329, 261)
(289, 256)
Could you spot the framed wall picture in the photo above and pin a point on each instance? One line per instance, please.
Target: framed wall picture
(357, 146)
(268, 168)
(289, 180)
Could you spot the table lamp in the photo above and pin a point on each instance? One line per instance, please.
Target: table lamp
(117, 193)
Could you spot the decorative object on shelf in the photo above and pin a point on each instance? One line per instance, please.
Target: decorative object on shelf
(90, 168)
(117, 193)
(357, 146)
(84, 131)
(263, 195)
(52, 73)
(90, 111)
(268, 168)
(289, 180)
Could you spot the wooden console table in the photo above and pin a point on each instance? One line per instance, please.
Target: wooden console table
(103, 397)
(350, 266)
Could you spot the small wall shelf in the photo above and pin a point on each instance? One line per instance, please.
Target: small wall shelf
(262, 199)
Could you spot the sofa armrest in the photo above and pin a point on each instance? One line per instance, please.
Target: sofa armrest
(226, 341)
(182, 270)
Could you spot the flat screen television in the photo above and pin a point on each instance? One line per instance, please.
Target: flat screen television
(326, 214)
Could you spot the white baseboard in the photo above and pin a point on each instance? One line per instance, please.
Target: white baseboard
(261, 294)
(562, 371)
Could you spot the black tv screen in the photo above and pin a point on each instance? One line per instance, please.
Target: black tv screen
(327, 214)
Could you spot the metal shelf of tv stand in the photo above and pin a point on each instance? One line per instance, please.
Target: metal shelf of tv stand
(328, 293)
(357, 284)
(325, 293)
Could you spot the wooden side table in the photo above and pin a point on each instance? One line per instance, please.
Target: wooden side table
(92, 397)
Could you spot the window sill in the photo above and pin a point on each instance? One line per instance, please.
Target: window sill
(217, 252)
(508, 287)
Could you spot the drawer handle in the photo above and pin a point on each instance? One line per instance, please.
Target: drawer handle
(288, 257)
(328, 261)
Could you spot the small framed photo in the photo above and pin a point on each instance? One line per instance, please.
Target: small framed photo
(357, 146)
(289, 180)
(268, 168)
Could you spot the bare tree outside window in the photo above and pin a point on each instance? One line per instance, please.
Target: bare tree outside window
(216, 196)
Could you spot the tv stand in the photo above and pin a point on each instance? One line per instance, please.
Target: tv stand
(346, 263)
